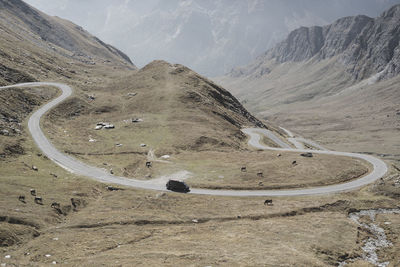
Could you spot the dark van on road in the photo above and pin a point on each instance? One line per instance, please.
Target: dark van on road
(178, 186)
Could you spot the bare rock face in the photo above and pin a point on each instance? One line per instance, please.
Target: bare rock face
(364, 45)
(300, 45)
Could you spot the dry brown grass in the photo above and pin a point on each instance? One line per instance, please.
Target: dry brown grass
(178, 124)
(139, 227)
(320, 101)
(222, 170)
(142, 227)
(150, 228)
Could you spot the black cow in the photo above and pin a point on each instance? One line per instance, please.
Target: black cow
(21, 198)
(268, 202)
(39, 200)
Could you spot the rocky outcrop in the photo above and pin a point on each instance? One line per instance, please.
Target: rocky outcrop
(14, 76)
(365, 46)
(301, 44)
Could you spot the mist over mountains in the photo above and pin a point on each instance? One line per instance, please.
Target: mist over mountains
(365, 46)
(211, 37)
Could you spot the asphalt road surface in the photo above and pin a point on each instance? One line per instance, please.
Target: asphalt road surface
(77, 167)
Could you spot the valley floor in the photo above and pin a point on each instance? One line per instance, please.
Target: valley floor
(123, 226)
(139, 227)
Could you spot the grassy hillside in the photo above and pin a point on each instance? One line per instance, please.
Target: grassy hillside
(317, 99)
(197, 124)
(337, 84)
(35, 46)
(185, 118)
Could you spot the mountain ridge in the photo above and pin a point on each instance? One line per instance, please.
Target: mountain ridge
(55, 37)
(232, 32)
(364, 45)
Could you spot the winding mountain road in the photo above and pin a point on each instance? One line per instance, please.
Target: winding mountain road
(77, 167)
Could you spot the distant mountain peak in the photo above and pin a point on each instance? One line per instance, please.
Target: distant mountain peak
(365, 45)
(209, 36)
(393, 12)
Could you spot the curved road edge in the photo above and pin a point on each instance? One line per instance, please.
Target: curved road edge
(77, 167)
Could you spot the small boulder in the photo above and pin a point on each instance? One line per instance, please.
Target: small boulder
(5, 132)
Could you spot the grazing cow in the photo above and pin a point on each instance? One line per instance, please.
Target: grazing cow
(112, 188)
(21, 198)
(268, 202)
(74, 202)
(33, 192)
(243, 169)
(260, 174)
(148, 164)
(39, 200)
(55, 205)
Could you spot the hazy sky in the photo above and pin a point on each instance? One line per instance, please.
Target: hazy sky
(210, 36)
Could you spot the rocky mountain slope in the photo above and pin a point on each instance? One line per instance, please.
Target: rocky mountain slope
(342, 75)
(365, 46)
(33, 44)
(209, 36)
